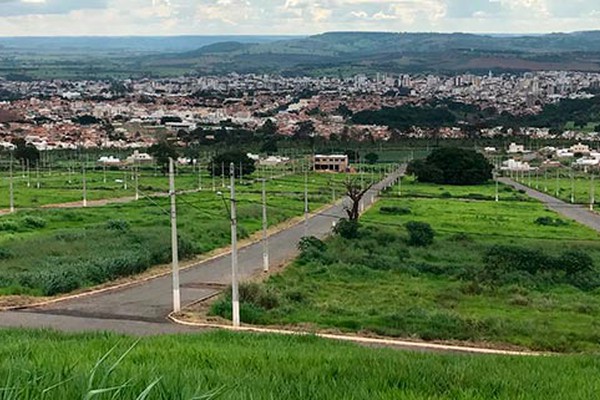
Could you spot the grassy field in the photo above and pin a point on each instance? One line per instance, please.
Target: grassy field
(493, 274)
(77, 248)
(221, 365)
(33, 189)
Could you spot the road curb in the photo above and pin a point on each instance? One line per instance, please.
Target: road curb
(362, 339)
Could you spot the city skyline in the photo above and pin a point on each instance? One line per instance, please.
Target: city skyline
(294, 17)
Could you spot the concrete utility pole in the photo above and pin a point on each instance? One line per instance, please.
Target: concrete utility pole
(199, 165)
(84, 182)
(174, 243)
(223, 175)
(104, 172)
(306, 201)
(37, 174)
(400, 184)
(235, 293)
(241, 174)
(125, 179)
(137, 181)
(214, 185)
(265, 238)
(11, 186)
(572, 186)
(592, 193)
(557, 182)
(28, 174)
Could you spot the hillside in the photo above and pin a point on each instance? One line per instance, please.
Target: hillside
(356, 52)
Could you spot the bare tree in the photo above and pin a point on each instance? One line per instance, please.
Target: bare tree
(355, 192)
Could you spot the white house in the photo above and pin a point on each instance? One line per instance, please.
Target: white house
(139, 158)
(108, 160)
(516, 148)
(514, 165)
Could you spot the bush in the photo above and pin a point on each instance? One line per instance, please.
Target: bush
(347, 229)
(549, 221)
(118, 225)
(502, 260)
(9, 226)
(34, 222)
(420, 234)
(5, 253)
(394, 210)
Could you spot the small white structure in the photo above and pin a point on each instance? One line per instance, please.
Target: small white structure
(490, 150)
(587, 162)
(108, 160)
(273, 161)
(514, 148)
(139, 158)
(564, 153)
(184, 161)
(514, 165)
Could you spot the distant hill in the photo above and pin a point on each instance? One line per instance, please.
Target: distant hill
(354, 52)
(341, 54)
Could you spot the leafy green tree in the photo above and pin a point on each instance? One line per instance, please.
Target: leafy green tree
(237, 158)
(269, 146)
(372, 158)
(26, 153)
(452, 166)
(162, 151)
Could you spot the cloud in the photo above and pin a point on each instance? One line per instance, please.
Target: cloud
(201, 17)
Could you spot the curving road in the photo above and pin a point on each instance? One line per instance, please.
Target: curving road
(142, 309)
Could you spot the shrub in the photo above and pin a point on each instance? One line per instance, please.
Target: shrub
(34, 222)
(9, 226)
(347, 229)
(420, 234)
(5, 253)
(311, 243)
(118, 225)
(549, 221)
(394, 210)
(575, 262)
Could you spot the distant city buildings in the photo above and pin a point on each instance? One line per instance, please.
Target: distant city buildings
(60, 114)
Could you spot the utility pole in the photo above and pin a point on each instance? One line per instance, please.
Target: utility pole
(241, 174)
(174, 243)
(84, 181)
(213, 177)
(557, 182)
(306, 201)
(137, 181)
(265, 239)
(199, 175)
(497, 196)
(28, 174)
(223, 174)
(104, 172)
(235, 294)
(11, 184)
(592, 193)
(572, 187)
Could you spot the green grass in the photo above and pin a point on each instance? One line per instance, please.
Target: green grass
(378, 283)
(77, 248)
(43, 364)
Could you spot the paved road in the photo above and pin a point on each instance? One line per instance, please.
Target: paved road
(142, 309)
(575, 212)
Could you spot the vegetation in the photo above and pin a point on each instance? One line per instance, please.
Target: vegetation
(43, 364)
(240, 160)
(78, 248)
(492, 275)
(453, 166)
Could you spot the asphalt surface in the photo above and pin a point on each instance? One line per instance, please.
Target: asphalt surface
(575, 212)
(142, 309)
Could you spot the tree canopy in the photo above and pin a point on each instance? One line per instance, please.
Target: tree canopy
(452, 166)
(225, 159)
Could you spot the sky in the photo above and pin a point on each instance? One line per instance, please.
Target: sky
(291, 17)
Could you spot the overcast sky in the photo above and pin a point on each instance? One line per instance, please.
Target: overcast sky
(208, 17)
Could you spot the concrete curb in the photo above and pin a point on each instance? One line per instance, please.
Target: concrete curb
(363, 340)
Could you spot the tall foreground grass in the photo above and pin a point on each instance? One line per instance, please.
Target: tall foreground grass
(222, 365)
